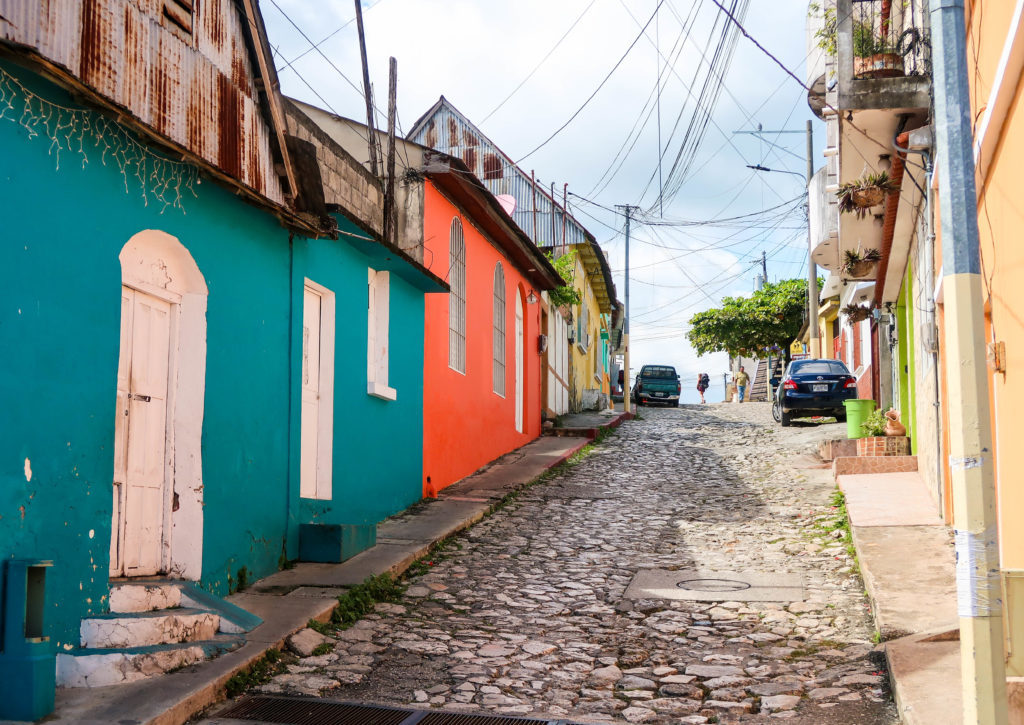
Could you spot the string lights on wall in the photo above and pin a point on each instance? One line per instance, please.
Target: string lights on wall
(77, 130)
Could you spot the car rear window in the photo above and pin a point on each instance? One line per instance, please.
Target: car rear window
(820, 367)
(657, 371)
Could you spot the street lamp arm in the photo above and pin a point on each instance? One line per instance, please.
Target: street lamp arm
(758, 167)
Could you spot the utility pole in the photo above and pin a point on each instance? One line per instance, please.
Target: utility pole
(367, 92)
(812, 268)
(764, 267)
(390, 208)
(625, 323)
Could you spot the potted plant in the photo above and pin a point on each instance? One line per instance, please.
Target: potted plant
(858, 264)
(856, 313)
(874, 56)
(861, 194)
(879, 439)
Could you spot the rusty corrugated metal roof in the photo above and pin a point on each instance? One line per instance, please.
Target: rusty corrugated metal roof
(196, 89)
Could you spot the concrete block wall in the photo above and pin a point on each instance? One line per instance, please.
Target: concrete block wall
(346, 183)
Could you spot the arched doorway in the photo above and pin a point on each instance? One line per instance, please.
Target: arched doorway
(157, 522)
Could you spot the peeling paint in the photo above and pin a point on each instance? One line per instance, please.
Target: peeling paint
(28, 470)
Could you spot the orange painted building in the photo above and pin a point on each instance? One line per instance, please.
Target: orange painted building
(482, 360)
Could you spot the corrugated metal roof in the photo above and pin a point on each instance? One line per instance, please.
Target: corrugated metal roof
(195, 89)
(537, 213)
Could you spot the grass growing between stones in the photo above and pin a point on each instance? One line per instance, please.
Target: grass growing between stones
(260, 672)
(361, 599)
(840, 521)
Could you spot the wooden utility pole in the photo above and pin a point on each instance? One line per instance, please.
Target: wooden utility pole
(367, 93)
(390, 208)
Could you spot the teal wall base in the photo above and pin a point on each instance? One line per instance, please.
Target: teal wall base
(333, 543)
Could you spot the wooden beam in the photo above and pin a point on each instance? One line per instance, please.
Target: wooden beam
(271, 91)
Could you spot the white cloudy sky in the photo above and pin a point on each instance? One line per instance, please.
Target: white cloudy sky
(476, 52)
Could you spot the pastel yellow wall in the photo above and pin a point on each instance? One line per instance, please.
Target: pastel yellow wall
(1000, 221)
(584, 364)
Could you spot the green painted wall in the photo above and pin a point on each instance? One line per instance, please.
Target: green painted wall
(906, 360)
(59, 330)
(377, 458)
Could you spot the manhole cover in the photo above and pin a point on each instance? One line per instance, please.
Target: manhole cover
(714, 585)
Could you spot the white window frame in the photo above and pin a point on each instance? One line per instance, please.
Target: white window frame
(499, 347)
(321, 488)
(378, 316)
(457, 297)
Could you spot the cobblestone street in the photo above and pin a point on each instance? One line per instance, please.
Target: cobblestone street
(524, 614)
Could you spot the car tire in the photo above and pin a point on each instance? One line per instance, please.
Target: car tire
(777, 411)
(786, 419)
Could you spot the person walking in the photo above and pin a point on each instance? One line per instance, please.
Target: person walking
(703, 382)
(741, 380)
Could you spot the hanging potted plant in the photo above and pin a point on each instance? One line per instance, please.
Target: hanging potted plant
(856, 313)
(874, 56)
(861, 194)
(858, 264)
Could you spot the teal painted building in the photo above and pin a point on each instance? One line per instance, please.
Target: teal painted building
(102, 229)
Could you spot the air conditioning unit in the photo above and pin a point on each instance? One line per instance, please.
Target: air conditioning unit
(542, 343)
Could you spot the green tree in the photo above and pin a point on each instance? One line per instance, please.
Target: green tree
(566, 268)
(766, 322)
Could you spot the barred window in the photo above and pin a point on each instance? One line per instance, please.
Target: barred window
(457, 298)
(499, 330)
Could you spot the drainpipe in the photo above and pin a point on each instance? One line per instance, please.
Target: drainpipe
(970, 436)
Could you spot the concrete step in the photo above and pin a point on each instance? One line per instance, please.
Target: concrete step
(138, 629)
(150, 595)
(144, 596)
(116, 666)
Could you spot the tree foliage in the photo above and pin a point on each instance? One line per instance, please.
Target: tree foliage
(566, 268)
(766, 322)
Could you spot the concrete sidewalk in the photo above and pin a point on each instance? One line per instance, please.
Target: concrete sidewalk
(907, 563)
(588, 424)
(287, 600)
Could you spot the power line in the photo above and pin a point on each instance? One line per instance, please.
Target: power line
(542, 61)
(596, 90)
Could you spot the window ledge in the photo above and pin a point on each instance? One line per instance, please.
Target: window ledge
(381, 391)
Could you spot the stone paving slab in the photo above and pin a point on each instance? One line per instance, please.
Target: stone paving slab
(716, 586)
(909, 572)
(889, 499)
(926, 678)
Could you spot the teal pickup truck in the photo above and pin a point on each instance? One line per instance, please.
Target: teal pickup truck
(657, 384)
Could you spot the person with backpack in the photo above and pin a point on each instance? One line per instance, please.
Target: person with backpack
(703, 382)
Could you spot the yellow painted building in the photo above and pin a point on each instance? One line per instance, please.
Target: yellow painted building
(590, 356)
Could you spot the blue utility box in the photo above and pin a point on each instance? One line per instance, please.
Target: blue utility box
(28, 662)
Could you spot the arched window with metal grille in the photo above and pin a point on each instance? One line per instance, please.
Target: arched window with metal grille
(499, 330)
(457, 298)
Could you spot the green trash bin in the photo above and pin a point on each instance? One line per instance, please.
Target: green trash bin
(857, 412)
